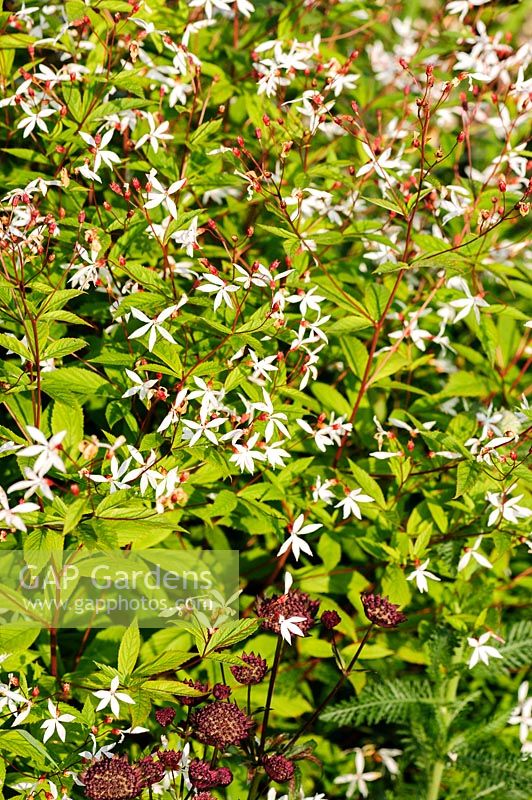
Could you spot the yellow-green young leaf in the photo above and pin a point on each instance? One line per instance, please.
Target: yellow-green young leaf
(12, 343)
(129, 650)
(155, 688)
(349, 324)
(2, 775)
(74, 514)
(330, 398)
(15, 639)
(355, 354)
(140, 712)
(75, 384)
(329, 550)
(173, 659)
(63, 347)
(87, 713)
(395, 586)
(370, 651)
(208, 129)
(314, 648)
(40, 545)
(422, 542)
(411, 655)
(224, 658)
(68, 417)
(467, 474)
(11, 41)
(232, 633)
(438, 515)
(224, 503)
(368, 484)
(488, 337)
(21, 743)
(388, 204)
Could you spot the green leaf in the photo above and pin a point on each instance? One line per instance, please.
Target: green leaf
(329, 550)
(166, 688)
(63, 347)
(330, 398)
(16, 41)
(27, 154)
(231, 633)
(87, 713)
(148, 278)
(21, 743)
(12, 343)
(367, 483)
(68, 417)
(467, 474)
(349, 324)
(75, 384)
(390, 205)
(129, 650)
(74, 514)
(207, 130)
(171, 660)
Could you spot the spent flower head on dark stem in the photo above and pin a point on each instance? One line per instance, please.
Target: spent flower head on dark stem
(220, 724)
(278, 768)
(165, 716)
(113, 779)
(381, 611)
(253, 670)
(291, 604)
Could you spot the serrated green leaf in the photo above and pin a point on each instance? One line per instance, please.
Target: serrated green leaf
(129, 650)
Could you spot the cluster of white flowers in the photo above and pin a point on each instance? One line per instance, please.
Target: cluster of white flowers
(522, 716)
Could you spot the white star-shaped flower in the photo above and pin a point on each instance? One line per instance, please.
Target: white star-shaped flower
(467, 304)
(144, 389)
(245, 456)
(381, 163)
(156, 134)
(357, 781)
(45, 449)
(204, 428)
(187, 237)
(154, 326)
(100, 154)
(221, 288)
(10, 516)
(159, 195)
(482, 651)
(420, 575)
(522, 714)
(55, 723)
(349, 504)
(289, 627)
(97, 753)
(298, 544)
(473, 552)
(506, 507)
(112, 698)
(34, 482)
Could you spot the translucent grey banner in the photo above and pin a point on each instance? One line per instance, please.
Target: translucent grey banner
(80, 589)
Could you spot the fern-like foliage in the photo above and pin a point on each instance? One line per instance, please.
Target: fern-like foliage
(495, 768)
(441, 642)
(517, 650)
(390, 701)
(484, 729)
